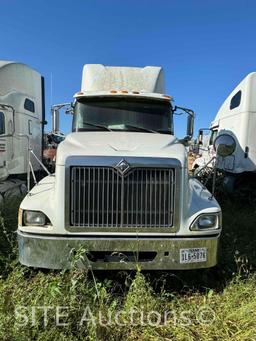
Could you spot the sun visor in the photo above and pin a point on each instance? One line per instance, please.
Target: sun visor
(97, 77)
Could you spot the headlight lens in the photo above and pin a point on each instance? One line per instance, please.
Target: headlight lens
(34, 218)
(224, 145)
(206, 222)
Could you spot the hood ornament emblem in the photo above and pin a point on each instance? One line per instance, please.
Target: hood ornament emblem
(122, 166)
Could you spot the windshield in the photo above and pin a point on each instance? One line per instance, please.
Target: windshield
(121, 114)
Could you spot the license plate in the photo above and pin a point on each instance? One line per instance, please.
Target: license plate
(193, 255)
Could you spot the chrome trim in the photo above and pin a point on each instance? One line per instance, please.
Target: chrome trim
(134, 162)
(80, 214)
(122, 166)
(55, 252)
(217, 226)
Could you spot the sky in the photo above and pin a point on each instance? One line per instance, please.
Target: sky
(205, 47)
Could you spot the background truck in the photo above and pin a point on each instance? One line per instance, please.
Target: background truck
(121, 190)
(203, 152)
(236, 119)
(22, 114)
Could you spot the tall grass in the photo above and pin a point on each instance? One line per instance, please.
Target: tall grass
(214, 304)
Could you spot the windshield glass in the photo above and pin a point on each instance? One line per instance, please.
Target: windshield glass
(120, 114)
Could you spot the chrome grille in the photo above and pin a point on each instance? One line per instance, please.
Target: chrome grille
(103, 197)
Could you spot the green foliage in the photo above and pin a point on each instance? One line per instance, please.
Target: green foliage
(214, 304)
(238, 251)
(8, 227)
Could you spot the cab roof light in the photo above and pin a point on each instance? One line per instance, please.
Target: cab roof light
(167, 96)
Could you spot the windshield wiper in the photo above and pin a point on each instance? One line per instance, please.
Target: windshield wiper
(165, 132)
(97, 126)
(138, 128)
(141, 128)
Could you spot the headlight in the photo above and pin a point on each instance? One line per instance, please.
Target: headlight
(224, 145)
(206, 222)
(34, 218)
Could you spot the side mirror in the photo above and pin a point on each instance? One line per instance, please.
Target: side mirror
(190, 126)
(55, 120)
(200, 136)
(55, 110)
(224, 145)
(190, 122)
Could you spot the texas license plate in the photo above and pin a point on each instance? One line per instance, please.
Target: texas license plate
(193, 255)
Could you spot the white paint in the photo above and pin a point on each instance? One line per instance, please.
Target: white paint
(239, 122)
(49, 195)
(97, 77)
(18, 82)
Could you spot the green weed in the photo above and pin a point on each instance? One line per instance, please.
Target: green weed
(214, 304)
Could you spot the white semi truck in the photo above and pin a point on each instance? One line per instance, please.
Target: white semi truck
(236, 122)
(21, 125)
(121, 190)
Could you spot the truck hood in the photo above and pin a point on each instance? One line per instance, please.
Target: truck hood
(121, 144)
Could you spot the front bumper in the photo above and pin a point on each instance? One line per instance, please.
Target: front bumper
(55, 252)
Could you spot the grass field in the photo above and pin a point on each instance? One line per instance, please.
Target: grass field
(215, 304)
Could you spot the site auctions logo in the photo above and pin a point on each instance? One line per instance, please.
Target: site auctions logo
(60, 317)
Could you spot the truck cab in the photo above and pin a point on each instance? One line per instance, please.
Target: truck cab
(21, 122)
(236, 119)
(121, 190)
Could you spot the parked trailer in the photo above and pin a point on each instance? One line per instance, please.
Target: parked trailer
(21, 124)
(121, 191)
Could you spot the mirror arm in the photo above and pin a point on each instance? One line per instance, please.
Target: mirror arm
(190, 127)
(186, 110)
(55, 110)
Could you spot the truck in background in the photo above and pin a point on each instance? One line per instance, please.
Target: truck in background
(22, 116)
(203, 151)
(236, 119)
(121, 189)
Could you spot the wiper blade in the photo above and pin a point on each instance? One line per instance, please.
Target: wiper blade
(141, 128)
(165, 132)
(97, 126)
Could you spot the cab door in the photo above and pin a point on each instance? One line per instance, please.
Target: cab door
(2, 139)
(3, 146)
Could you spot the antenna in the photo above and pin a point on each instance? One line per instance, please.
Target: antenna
(51, 89)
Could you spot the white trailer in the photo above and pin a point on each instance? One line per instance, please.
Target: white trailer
(21, 124)
(121, 190)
